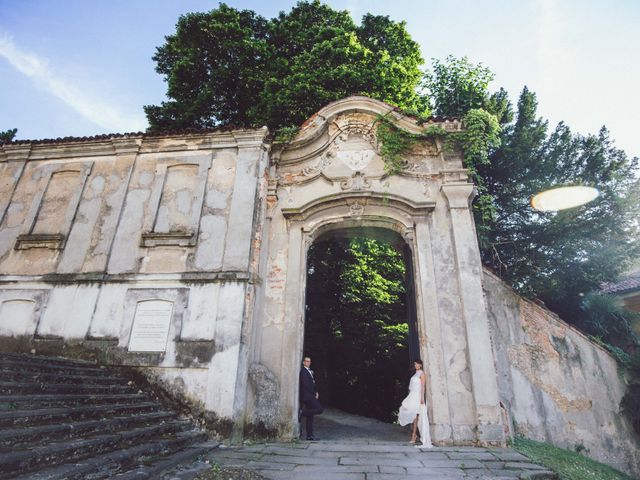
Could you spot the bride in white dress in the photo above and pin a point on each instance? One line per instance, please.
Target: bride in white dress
(414, 409)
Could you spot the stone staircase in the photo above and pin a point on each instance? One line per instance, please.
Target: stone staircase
(68, 419)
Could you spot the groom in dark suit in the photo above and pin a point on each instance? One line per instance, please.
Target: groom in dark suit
(309, 404)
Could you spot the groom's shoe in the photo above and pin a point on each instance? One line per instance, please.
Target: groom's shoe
(312, 438)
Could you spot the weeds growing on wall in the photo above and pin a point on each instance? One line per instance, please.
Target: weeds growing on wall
(286, 134)
(394, 143)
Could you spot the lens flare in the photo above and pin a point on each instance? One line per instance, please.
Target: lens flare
(562, 198)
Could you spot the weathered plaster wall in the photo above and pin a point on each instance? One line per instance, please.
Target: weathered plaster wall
(556, 384)
(90, 229)
(212, 226)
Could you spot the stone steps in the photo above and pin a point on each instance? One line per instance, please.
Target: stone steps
(25, 402)
(23, 359)
(11, 363)
(18, 388)
(30, 459)
(154, 469)
(67, 419)
(39, 434)
(11, 418)
(121, 461)
(57, 377)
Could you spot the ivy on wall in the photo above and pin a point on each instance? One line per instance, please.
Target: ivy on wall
(480, 135)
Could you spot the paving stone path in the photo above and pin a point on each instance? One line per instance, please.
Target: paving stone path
(378, 461)
(355, 448)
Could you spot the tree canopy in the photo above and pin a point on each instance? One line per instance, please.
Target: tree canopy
(558, 257)
(230, 66)
(8, 135)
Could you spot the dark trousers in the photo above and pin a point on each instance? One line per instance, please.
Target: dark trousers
(310, 407)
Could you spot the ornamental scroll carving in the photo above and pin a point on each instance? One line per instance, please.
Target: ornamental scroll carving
(357, 182)
(320, 165)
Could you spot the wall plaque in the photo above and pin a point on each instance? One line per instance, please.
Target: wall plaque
(151, 326)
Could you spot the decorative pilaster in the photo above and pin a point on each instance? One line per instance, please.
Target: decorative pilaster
(14, 158)
(469, 268)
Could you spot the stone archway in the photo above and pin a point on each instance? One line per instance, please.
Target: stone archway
(332, 177)
(355, 363)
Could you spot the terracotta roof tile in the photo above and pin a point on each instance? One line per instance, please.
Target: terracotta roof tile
(107, 136)
(632, 282)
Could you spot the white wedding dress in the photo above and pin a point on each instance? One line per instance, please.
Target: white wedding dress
(411, 407)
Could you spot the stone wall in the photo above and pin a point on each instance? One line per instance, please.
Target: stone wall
(185, 256)
(556, 384)
(138, 247)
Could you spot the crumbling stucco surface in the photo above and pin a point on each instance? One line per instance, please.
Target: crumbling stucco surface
(90, 229)
(267, 393)
(556, 384)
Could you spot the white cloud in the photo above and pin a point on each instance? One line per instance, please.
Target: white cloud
(96, 110)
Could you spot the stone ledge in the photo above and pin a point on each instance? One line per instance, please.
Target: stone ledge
(52, 242)
(180, 277)
(178, 239)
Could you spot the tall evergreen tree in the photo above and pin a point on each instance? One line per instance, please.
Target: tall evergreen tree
(559, 257)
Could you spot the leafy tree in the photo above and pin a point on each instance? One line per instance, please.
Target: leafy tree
(213, 66)
(8, 135)
(229, 66)
(455, 86)
(557, 257)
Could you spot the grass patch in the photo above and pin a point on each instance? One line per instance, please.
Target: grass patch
(568, 465)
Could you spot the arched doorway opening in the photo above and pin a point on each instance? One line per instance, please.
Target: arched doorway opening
(360, 319)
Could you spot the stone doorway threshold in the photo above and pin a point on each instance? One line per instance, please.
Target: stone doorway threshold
(334, 425)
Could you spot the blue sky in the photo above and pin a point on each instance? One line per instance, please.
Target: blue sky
(71, 67)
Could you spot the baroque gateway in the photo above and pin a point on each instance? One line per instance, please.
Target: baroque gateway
(184, 255)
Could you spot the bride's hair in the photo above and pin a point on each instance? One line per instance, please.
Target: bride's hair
(419, 362)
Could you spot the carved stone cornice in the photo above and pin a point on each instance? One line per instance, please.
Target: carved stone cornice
(455, 175)
(315, 135)
(15, 153)
(126, 146)
(135, 143)
(357, 202)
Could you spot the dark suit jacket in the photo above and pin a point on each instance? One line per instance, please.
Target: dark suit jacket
(308, 388)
